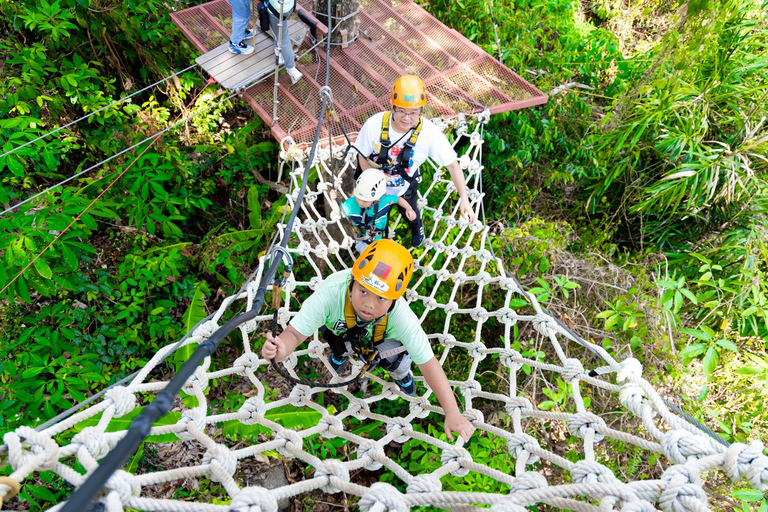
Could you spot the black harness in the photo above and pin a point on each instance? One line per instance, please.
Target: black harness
(400, 165)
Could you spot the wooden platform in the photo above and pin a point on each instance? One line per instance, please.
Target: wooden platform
(234, 72)
(396, 35)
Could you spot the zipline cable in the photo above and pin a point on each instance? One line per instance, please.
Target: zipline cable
(79, 215)
(97, 111)
(161, 405)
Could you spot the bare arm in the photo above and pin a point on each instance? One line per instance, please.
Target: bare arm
(438, 382)
(334, 204)
(409, 212)
(283, 345)
(457, 176)
(364, 163)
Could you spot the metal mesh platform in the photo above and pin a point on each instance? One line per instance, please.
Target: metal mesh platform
(460, 77)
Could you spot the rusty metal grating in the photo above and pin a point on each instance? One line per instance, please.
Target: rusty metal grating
(460, 77)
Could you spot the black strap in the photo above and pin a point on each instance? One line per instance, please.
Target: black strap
(399, 167)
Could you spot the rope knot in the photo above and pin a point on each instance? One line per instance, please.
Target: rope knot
(358, 408)
(470, 386)
(590, 472)
(452, 307)
(124, 484)
(383, 495)
(638, 506)
(631, 369)
(572, 370)
(330, 470)
(417, 407)
(292, 443)
(37, 447)
(474, 167)
(479, 313)
(122, 399)
(528, 481)
(199, 378)
(220, 458)
(314, 283)
(372, 451)
(632, 396)
(252, 410)
(93, 441)
(457, 456)
(205, 330)
(520, 444)
(300, 394)
(333, 247)
(332, 425)
(476, 139)
(475, 417)
(680, 445)
(512, 359)
(520, 404)
(254, 499)
(396, 427)
(681, 490)
(739, 461)
(424, 483)
(508, 284)
(192, 421)
(249, 361)
(477, 350)
(580, 424)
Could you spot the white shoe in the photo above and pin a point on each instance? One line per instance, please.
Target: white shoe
(295, 74)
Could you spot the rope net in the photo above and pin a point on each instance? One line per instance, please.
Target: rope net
(473, 312)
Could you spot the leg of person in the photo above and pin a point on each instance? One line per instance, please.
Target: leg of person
(338, 349)
(398, 365)
(241, 15)
(417, 226)
(286, 48)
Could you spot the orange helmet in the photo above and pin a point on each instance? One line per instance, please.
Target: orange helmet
(408, 91)
(384, 268)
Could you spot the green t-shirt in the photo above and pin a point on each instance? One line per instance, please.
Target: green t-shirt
(326, 307)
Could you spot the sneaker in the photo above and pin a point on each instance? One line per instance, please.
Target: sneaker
(337, 364)
(249, 33)
(295, 74)
(417, 238)
(240, 48)
(407, 385)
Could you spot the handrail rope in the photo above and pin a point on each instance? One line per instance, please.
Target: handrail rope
(79, 215)
(584, 343)
(97, 111)
(161, 405)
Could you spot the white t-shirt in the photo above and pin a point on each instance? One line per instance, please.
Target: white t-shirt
(287, 5)
(431, 143)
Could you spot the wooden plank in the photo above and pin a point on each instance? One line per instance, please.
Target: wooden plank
(232, 71)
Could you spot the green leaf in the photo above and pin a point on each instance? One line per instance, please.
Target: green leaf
(43, 268)
(710, 361)
(749, 495)
(254, 207)
(693, 351)
(726, 344)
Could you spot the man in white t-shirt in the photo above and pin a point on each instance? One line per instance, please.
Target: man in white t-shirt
(401, 140)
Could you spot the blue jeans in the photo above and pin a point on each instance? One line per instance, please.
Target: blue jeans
(286, 48)
(241, 15)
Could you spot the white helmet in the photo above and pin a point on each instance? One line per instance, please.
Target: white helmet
(371, 185)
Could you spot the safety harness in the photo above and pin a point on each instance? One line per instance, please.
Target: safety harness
(400, 166)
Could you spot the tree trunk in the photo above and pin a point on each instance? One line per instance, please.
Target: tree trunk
(344, 32)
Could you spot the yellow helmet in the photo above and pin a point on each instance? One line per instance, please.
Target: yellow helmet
(384, 268)
(408, 91)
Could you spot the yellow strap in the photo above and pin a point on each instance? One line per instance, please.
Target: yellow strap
(379, 330)
(14, 489)
(385, 127)
(416, 132)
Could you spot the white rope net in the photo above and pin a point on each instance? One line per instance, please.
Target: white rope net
(456, 262)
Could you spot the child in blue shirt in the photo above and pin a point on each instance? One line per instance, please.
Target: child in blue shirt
(369, 207)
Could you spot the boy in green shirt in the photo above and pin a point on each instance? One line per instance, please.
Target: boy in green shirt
(364, 308)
